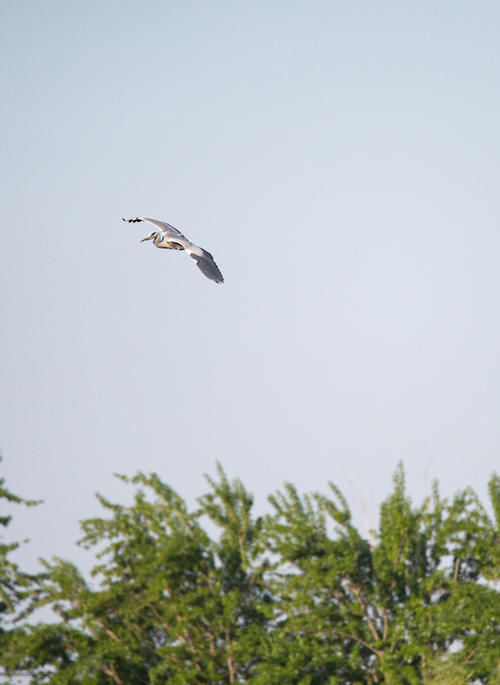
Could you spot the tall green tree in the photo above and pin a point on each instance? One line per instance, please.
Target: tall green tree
(352, 611)
(16, 586)
(171, 604)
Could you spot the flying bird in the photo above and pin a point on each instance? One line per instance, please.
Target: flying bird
(168, 237)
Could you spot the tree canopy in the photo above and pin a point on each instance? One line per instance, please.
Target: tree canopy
(296, 596)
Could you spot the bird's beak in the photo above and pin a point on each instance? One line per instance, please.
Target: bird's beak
(143, 239)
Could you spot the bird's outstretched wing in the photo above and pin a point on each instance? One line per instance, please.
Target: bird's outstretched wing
(205, 263)
(167, 229)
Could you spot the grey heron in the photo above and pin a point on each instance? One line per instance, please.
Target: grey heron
(168, 237)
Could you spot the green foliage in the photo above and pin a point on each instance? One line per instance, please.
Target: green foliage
(172, 605)
(16, 586)
(298, 596)
(13, 583)
(380, 614)
(452, 670)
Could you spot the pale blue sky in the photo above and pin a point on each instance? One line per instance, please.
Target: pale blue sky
(341, 162)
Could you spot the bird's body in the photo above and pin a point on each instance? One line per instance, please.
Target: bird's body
(169, 238)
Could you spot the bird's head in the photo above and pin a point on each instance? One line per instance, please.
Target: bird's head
(150, 236)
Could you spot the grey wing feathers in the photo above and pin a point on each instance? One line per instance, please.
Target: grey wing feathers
(207, 266)
(162, 225)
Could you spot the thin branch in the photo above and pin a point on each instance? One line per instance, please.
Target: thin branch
(230, 665)
(386, 626)
(109, 632)
(469, 656)
(357, 593)
(230, 668)
(192, 649)
(340, 633)
(110, 670)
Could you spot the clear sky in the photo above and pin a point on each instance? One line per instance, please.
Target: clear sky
(341, 161)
